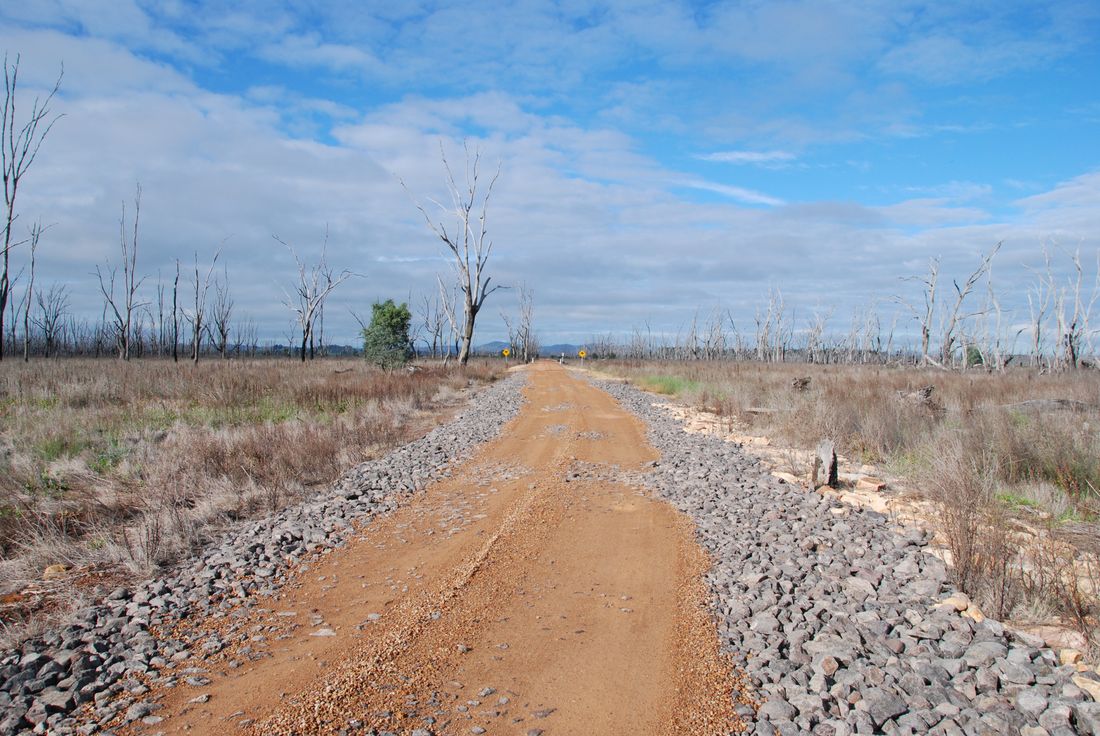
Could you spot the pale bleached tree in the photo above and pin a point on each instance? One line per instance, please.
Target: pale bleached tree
(467, 240)
(20, 141)
(313, 286)
(197, 315)
(122, 307)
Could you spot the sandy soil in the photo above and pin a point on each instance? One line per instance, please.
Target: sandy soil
(523, 595)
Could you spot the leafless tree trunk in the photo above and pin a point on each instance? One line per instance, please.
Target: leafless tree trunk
(314, 285)
(433, 320)
(525, 331)
(815, 335)
(221, 313)
(955, 316)
(176, 315)
(19, 145)
(924, 316)
(122, 307)
(197, 317)
(448, 302)
(52, 307)
(36, 235)
(468, 244)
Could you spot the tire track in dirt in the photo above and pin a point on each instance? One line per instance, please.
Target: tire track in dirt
(518, 596)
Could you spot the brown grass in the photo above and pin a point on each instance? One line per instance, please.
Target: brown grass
(1017, 487)
(114, 469)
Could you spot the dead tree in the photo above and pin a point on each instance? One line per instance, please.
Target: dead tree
(122, 307)
(221, 312)
(176, 315)
(448, 302)
(954, 316)
(527, 344)
(468, 243)
(432, 321)
(925, 315)
(28, 301)
(815, 335)
(1039, 299)
(197, 316)
(313, 286)
(19, 146)
(53, 305)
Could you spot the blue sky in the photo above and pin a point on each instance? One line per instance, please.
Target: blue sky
(657, 157)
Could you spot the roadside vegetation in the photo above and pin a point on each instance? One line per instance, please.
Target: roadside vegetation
(1010, 458)
(111, 469)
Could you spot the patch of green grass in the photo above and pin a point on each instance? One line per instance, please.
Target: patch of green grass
(668, 385)
(55, 447)
(1015, 501)
(108, 458)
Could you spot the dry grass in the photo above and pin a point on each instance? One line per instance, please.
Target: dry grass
(116, 468)
(1017, 487)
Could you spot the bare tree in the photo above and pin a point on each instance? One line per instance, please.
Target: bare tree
(925, 315)
(197, 314)
(53, 305)
(19, 146)
(955, 315)
(815, 335)
(176, 315)
(448, 303)
(28, 301)
(313, 286)
(221, 312)
(468, 242)
(433, 321)
(525, 333)
(122, 307)
(1039, 298)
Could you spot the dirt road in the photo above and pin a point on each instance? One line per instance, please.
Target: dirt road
(531, 592)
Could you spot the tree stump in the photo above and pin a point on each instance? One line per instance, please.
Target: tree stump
(825, 465)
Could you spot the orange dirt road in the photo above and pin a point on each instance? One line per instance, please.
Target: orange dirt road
(532, 592)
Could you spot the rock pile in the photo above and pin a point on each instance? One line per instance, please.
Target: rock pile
(836, 615)
(97, 656)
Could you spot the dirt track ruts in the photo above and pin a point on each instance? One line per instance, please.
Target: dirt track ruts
(517, 596)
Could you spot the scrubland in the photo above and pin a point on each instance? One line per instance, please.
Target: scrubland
(110, 469)
(1015, 484)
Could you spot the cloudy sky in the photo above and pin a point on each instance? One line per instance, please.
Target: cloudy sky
(656, 157)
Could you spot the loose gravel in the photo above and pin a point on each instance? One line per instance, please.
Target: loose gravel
(832, 611)
(108, 653)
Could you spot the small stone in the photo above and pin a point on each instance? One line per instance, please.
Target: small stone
(1089, 685)
(1069, 656)
(53, 572)
(323, 632)
(960, 602)
(882, 705)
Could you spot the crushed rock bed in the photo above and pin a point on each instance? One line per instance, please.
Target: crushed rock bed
(98, 656)
(832, 611)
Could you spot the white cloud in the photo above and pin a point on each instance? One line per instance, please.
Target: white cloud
(738, 193)
(749, 157)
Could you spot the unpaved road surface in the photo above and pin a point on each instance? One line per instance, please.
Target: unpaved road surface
(519, 596)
